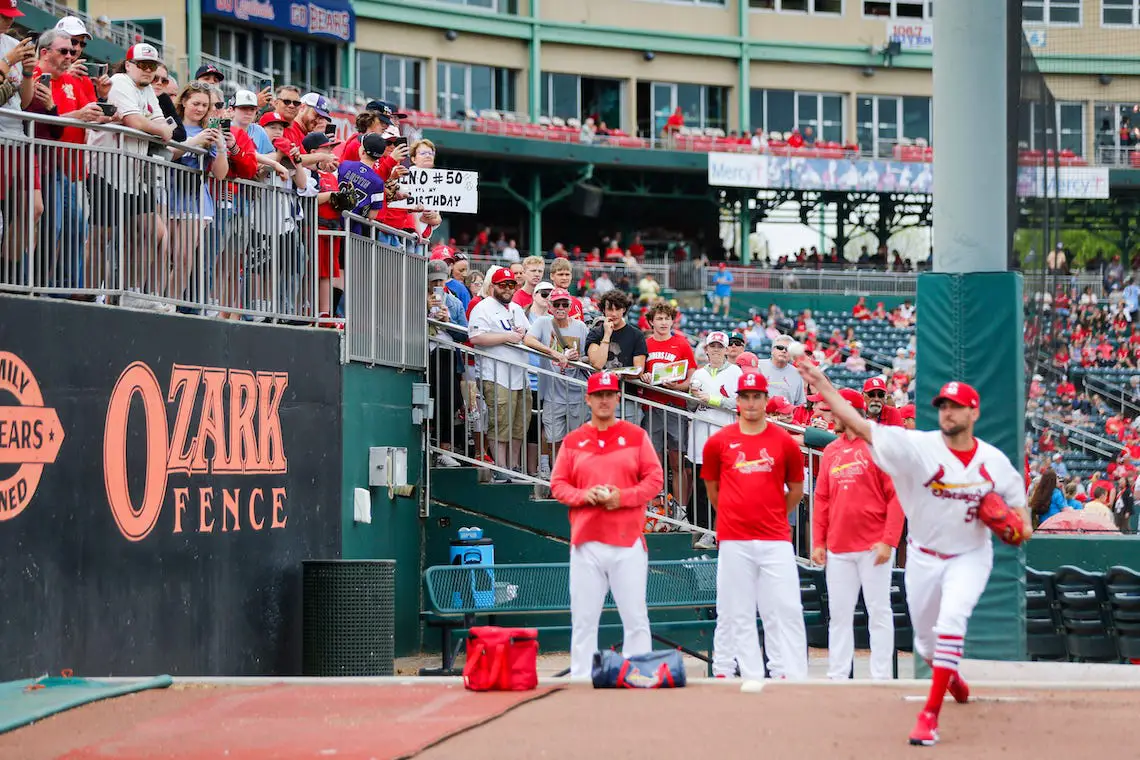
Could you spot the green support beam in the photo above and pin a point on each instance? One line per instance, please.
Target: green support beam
(744, 88)
(534, 75)
(193, 36)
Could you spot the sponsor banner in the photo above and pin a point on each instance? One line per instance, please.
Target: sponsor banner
(784, 173)
(448, 190)
(161, 480)
(912, 36)
(1062, 182)
(329, 19)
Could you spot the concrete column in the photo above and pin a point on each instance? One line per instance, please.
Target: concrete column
(851, 128)
(971, 217)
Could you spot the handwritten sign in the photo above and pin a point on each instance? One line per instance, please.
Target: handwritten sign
(446, 190)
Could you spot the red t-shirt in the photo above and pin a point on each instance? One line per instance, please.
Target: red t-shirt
(327, 183)
(673, 349)
(752, 471)
(890, 416)
(70, 93)
(523, 299)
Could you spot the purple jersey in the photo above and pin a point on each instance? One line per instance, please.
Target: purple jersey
(364, 185)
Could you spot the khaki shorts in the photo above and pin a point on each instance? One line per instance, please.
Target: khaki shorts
(559, 419)
(509, 411)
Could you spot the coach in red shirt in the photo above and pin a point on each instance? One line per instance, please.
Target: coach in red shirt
(606, 473)
(855, 529)
(875, 393)
(754, 475)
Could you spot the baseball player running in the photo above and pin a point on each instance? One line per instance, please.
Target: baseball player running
(606, 472)
(941, 478)
(747, 466)
(855, 529)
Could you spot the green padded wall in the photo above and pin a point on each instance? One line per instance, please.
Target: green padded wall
(970, 329)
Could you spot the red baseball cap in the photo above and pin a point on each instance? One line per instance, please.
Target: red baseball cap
(557, 293)
(779, 405)
(9, 9)
(908, 412)
(502, 275)
(853, 397)
(442, 253)
(747, 360)
(876, 383)
(270, 117)
(752, 381)
(601, 381)
(959, 393)
(815, 398)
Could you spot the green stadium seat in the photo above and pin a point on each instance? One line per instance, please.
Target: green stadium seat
(1085, 615)
(1045, 635)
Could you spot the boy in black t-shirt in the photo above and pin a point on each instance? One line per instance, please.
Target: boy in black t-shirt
(616, 344)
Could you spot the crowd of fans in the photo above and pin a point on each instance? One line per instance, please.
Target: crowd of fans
(201, 197)
(535, 303)
(1080, 337)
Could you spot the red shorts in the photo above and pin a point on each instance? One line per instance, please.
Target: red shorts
(328, 257)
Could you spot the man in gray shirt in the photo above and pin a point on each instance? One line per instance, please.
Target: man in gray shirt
(562, 340)
(783, 379)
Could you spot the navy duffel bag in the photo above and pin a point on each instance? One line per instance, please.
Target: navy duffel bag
(663, 669)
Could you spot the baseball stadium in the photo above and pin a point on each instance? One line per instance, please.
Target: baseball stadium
(406, 378)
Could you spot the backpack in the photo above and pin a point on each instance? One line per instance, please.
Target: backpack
(501, 659)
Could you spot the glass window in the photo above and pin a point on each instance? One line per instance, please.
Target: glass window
(904, 9)
(781, 111)
(916, 118)
(461, 87)
(756, 109)
(832, 126)
(807, 111)
(716, 111)
(1119, 12)
(482, 95)
(399, 78)
(369, 67)
(1071, 118)
(881, 120)
(560, 95)
(1052, 11)
(833, 7)
(690, 99)
(497, 6)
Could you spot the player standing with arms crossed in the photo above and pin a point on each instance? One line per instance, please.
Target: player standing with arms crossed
(943, 479)
(606, 472)
(855, 529)
(747, 466)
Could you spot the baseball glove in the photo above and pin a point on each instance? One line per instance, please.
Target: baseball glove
(1003, 520)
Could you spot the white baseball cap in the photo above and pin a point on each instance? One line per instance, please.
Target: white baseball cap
(143, 52)
(544, 286)
(245, 98)
(72, 26)
(716, 336)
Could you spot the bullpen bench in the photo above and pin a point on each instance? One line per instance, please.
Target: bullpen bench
(459, 597)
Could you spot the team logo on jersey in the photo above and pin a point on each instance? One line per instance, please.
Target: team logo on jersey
(971, 493)
(762, 463)
(853, 469)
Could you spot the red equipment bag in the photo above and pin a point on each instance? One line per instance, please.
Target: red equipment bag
(501, 659)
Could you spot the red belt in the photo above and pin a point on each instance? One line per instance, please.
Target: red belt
(931, 552)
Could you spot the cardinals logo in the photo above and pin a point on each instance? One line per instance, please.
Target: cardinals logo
(851, 470)
(762, 463)
(971, 493)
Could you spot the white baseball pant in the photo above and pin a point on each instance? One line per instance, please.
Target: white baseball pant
(847, 572)
(942, 593)
(761, 576)
(724, 651)
(596, 568)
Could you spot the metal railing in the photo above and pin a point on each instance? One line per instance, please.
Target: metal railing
(1113, 393)
(505, 409)
(117, 220)
(385, 287)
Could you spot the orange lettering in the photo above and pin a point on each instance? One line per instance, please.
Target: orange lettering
(231, 505)
(256, 493)
(279, 516)
(183, 386)
(243, 438)
(135, 524)
(212, 423)
(270, 389)
(205, 507)
(181, 497)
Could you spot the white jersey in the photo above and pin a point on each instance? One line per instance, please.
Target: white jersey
(939, 495)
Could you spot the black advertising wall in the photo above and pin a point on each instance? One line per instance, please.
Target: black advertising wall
(161, 480)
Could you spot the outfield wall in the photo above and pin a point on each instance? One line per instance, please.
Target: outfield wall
(162, 479)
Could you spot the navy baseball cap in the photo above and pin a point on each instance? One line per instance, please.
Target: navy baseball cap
(317, 140)
(385, 109)
(373, 144)
(209, 68)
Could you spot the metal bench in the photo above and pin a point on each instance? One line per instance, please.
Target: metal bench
(458, 596)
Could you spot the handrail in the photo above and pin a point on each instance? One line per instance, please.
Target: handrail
(1087, 440)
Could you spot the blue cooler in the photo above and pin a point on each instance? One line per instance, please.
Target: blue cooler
(471, 549)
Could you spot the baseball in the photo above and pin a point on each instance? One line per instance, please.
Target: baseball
(795, 349)
(752, 687)
(604, 492)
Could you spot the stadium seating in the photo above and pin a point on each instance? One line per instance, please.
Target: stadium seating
(1077, 615)
(1086, 615)
(1045, 635)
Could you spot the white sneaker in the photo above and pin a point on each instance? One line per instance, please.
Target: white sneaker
(706, 541)
(213, 311)
(133, 300)
(165, 308)
(544, 470)
(446, 460)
